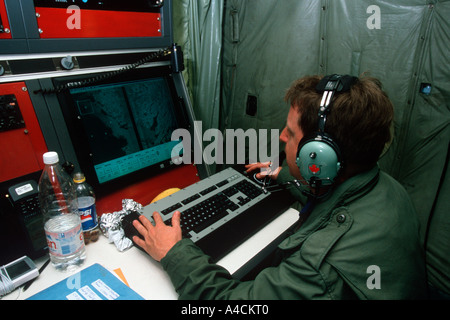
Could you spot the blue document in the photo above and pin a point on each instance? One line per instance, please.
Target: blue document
(92, 283)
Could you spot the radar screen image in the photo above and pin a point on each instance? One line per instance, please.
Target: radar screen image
(124, 119)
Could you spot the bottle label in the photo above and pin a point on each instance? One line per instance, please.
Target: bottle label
(88, 217)
(65, 243)
(88, 214)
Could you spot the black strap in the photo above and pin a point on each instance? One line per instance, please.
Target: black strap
(330, 85)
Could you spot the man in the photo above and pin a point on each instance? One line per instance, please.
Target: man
(358, 236)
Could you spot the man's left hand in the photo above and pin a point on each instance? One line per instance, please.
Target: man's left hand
(158, 238)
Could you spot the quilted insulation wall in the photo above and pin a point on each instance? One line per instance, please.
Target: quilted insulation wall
(267, 44)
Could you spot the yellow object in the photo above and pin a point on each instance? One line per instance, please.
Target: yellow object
(165, 193)
(119, 272)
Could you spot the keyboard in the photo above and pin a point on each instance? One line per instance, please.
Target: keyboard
(221, 211)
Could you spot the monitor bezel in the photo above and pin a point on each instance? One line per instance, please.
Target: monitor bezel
(79, 138)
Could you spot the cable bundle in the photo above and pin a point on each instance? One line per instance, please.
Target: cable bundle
(6, 285)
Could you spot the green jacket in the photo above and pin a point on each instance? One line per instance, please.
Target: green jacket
(361, 242)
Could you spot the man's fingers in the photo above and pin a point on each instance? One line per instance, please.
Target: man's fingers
(176, 219)
(257, 165)
(157, 218)
(139, 227)
(139, 241)
(144, 220)
(157, 239)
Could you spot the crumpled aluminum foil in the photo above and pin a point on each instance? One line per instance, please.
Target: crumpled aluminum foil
(111, 224)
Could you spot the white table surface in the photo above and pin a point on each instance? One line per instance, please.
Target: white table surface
(143, 274)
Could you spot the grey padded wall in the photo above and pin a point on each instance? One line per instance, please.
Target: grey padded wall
(268, 44)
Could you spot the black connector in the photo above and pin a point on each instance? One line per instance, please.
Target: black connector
(177, 58)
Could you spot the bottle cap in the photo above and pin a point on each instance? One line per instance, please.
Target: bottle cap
(50, 157)
(79, 177)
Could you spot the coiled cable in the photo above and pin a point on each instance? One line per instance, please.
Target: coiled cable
(77, 84)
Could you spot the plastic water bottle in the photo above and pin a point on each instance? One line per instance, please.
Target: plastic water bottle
(86, 208)
(62, 224)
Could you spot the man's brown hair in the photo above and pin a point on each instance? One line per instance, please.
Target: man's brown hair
(359, 120)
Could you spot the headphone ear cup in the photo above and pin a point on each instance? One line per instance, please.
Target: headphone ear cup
(319, 158)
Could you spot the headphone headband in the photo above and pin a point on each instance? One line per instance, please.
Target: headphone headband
(336, 83)
(318, 156)
(330, 85)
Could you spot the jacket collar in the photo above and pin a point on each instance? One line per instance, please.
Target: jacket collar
(344, 194)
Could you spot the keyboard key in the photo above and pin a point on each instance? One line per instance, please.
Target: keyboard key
(222, 183)
(171, 208)
(208, 190)
(190, 199)
(249, 189)
(207, 212)
(209, 220)
(231, 191)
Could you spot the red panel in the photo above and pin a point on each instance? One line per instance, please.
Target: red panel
(62, 23)
(5, 21)
(21, 149)
(144, 192)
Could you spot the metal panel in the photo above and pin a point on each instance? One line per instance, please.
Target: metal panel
(22, 148)
(5, 28)
(153, 30)
(58, 23)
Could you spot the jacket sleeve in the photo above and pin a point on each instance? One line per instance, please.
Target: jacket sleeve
(195, 277)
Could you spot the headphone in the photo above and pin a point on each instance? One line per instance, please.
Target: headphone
(318, 156)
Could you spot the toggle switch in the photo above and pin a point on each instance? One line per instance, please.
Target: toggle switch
(67, 63)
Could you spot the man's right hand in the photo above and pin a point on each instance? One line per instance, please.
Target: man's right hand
(265, 170)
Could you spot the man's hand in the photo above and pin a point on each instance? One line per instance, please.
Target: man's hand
(158, 238)
(265, 170)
